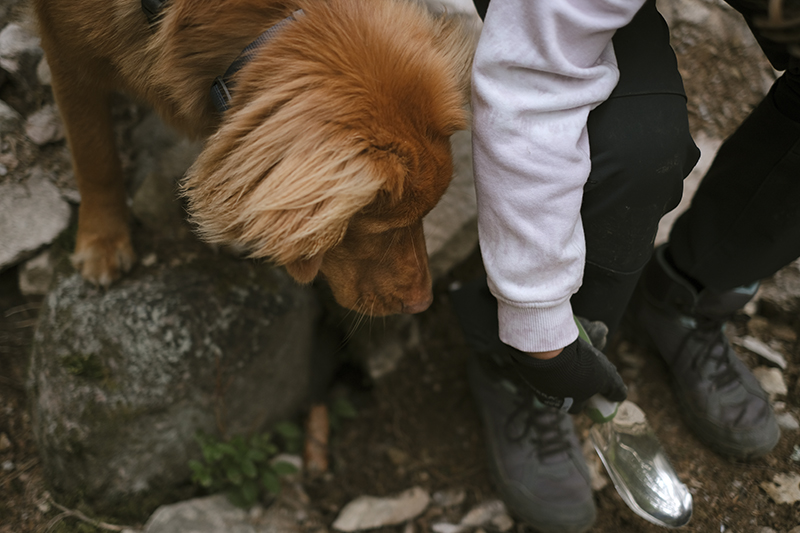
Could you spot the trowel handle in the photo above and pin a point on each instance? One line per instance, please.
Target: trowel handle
(600, 409)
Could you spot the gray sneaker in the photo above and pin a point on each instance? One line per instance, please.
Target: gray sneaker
(535, 458)
(718, 396)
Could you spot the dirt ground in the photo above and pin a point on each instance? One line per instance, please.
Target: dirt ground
(418, 425)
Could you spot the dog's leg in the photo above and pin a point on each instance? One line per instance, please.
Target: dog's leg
(103, 248)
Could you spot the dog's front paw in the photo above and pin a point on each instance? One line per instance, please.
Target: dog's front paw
(103, 259)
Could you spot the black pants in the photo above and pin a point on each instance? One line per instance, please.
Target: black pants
(744, 221)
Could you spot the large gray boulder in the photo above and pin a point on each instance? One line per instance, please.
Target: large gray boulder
(121, 380)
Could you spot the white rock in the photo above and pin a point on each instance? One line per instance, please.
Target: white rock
(32, 214)
(503, 522)
(787, 421)
(795, 454)
(449, 498)
(36, 274)
(215, 514)
(43, 72)
(368, 512)
(45, 126)
(771, 380)
(446, 527)
(16, 42)
(760, 348)
(784, 488)
(484, 513)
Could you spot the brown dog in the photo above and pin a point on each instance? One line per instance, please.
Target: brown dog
(334, 145)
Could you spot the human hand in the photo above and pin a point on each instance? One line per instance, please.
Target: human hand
(569, 379)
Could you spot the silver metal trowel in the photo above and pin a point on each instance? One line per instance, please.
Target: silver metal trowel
(636, 462)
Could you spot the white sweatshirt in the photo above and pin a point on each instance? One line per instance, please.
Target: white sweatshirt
(540, 67)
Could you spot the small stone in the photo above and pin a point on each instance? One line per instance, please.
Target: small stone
(784, 488)
(8, 466)
(17, 44)
(45, 126)
(290, 458)
(149, 260)
(771, 380)
(368, 512)
(795, 453)
(32, 214)
(484, 513)
(397, 456)
(446, 527)
(449, 498)
(787, 421)
(503, 522)
(5, 443)
(43, 72)
(761, 349)
(36, 274)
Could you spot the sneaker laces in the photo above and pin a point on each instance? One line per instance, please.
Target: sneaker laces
(710, 334)
(541, 424)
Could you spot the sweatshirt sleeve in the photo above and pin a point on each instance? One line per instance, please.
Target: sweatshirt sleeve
(540, 67)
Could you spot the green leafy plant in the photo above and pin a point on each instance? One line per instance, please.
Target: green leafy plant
(244, 467)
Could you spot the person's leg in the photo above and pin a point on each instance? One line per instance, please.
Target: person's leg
(742, 226)
(641, 151)
(744, 221)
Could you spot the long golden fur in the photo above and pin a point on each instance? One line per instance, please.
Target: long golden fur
(335, 146)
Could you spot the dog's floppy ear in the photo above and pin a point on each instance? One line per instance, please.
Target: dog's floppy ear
(280, 188)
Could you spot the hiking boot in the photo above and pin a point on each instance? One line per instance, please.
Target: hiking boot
(718, 396)
(534, 455)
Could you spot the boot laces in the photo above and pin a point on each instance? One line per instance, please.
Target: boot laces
(540, 424)
(711, 336)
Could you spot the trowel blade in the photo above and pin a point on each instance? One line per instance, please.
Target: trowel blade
(640, 470)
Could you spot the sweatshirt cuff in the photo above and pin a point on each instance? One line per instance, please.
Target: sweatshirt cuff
(536, 329)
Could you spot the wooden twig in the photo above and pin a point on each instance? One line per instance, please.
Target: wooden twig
(316, 445)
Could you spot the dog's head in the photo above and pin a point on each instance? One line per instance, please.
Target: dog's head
(335, 147)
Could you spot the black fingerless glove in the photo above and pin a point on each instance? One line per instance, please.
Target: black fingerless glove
(568, 380)
(565, 381)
